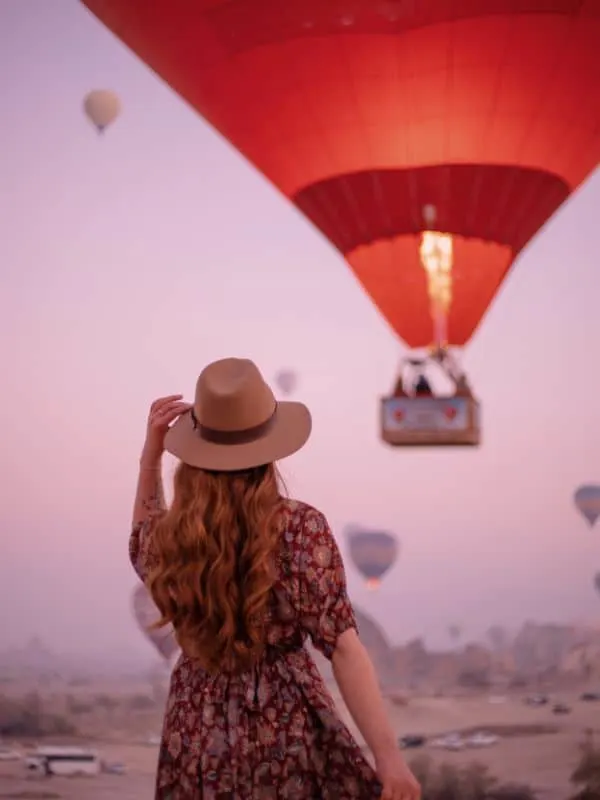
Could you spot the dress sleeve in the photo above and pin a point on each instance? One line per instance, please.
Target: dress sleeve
(325, 609)
(141, 552)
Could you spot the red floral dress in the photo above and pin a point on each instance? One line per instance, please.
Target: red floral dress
(271, 732)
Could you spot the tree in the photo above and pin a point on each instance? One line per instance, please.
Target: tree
(472, 782)
(26, 718)
(586, 775)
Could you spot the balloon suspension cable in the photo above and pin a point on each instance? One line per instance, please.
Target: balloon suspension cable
(400, 375)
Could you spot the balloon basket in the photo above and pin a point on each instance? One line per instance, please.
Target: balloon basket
(430, 421)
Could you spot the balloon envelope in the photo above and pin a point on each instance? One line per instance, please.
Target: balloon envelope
(146, 613)
(379, 119)
(372, 552)
(102, 107)
(587, 501)
(286, 381)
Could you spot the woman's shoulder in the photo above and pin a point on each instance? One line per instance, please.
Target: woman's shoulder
(300, 511)
(302, 517)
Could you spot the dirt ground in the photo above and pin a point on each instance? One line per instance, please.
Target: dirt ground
(542, 759)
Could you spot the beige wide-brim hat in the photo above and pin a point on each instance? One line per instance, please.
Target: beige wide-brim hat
(236, 423)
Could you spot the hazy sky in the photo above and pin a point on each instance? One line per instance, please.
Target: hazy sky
(128, 262)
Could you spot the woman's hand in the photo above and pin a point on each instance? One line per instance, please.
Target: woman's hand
(398, 781)
(163, 412)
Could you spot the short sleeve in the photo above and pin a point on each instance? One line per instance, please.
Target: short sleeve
(141, 552)
(325, 609)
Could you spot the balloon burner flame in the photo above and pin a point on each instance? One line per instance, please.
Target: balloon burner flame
(437, 258)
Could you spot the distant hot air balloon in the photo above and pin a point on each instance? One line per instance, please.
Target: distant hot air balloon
(146, 613)
(587, 501)
(286, 381)
(428, 141)
(101, 107)
(372, 552)
(597, 582)
(454, 632)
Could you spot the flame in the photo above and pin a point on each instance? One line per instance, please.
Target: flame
(436, 254)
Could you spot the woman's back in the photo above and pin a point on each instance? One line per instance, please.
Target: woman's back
(270, 730)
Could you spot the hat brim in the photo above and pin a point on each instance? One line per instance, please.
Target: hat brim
(290, 431)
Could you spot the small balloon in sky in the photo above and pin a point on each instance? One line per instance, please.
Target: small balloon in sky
(286, 380)
(454, 632)
(597, 582)
(101, 107)
(587, 501)
(373, 552)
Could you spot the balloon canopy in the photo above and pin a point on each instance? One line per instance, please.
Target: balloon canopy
(102, 108)
(597, 582)
(587, 501)
(420, 138)
(372, 552)
(146, 613)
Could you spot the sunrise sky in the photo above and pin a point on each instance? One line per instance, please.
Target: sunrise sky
(129, 261)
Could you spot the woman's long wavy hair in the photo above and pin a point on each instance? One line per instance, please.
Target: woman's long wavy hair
(215, 552)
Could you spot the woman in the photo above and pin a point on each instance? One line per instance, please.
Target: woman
(245, 575)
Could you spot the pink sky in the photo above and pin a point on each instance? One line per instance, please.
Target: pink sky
(129, 261)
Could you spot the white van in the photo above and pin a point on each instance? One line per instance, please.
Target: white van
(65, 761)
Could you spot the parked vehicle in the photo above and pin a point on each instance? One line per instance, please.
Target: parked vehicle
(67, 761)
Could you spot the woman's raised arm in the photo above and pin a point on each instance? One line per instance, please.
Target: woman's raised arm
(326, 614)
(149, 497)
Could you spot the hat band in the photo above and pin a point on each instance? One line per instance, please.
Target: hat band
(243, 436)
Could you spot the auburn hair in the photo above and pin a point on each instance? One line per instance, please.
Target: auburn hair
(214, 574)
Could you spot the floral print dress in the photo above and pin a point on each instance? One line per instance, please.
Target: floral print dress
(271, 732)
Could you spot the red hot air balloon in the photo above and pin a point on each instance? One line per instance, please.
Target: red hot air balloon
(146, 613)
(429, 141)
